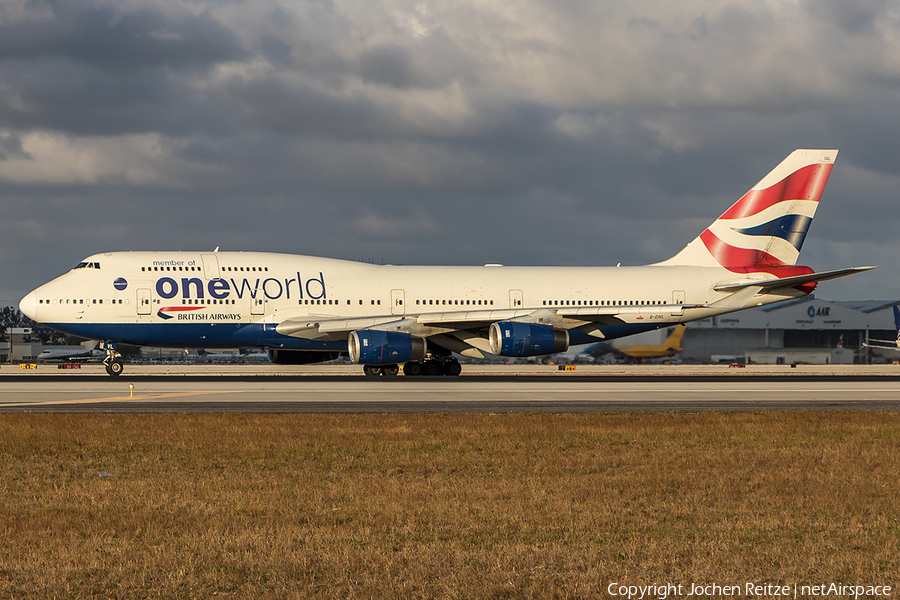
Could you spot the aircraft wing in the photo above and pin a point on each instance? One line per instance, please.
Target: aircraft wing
(881, 345)
(466, 332)
(328, 328)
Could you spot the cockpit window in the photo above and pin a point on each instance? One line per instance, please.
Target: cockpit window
(88, 265)
(81, 265)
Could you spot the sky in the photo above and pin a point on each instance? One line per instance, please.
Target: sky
(583, 132)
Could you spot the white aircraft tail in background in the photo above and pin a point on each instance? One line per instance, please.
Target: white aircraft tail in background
(887, 344)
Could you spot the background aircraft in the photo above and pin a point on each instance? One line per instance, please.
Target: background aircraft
(885, 344)
(670, 347)
(72, 354)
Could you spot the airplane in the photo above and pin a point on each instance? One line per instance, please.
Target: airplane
(305, 309)
(670, 347)
(72, 354)
(884, 344)
(242, 355)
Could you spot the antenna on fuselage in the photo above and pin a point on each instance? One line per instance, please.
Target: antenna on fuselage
(217, 249)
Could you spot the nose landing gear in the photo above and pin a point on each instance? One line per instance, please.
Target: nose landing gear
(113, 363)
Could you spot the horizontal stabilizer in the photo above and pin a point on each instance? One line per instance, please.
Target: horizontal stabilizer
(768, 286)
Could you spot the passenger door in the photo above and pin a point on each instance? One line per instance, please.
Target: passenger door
(144, 301)
(515, 298)
(397, 299)
(210, 266)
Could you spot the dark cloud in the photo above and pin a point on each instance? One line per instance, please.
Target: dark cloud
(73, 98)
(389, 65)
(595, 133)
(11, 147)
(276, 50)
(107, 38)
(854, 18)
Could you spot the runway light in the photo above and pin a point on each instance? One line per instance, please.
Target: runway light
(131, 389)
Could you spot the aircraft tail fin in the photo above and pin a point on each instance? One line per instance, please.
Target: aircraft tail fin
(674, 339)
(764, 230)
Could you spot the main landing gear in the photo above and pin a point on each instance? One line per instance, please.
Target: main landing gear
(113, 363)
(414, 368)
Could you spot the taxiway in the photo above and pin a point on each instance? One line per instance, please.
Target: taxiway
(484, 389)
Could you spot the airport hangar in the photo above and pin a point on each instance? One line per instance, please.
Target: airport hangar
(803, 330)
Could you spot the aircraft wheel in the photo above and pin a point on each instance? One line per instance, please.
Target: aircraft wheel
(412, 369)
(452, 368)
(433, 368)
(390, 370)
(115, 368)
(372, 370)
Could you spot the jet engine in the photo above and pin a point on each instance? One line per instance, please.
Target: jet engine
(509, 338)
(299, 357)
(371, 347)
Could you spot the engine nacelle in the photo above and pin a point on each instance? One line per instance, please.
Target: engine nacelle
(299, 357)
(371, 347)
(509, 338)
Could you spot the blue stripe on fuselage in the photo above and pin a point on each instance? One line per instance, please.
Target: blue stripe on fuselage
(208, 335)
(230, 335)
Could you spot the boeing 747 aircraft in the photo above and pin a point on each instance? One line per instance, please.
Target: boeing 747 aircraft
(305, 309)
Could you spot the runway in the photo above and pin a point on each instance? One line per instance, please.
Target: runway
(499, 390)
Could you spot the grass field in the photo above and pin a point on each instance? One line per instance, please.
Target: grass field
(456, 506)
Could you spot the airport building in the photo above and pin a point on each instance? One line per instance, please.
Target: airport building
(806, 330)
(21, 344)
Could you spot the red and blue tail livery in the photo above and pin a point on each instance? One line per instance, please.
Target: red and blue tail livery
(764, 230)
(304, 309)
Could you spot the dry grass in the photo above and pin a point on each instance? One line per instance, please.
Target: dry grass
(458, 506)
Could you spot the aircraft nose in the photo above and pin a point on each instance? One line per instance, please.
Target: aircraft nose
(28, 306)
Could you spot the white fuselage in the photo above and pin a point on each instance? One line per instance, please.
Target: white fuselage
(228, 299)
